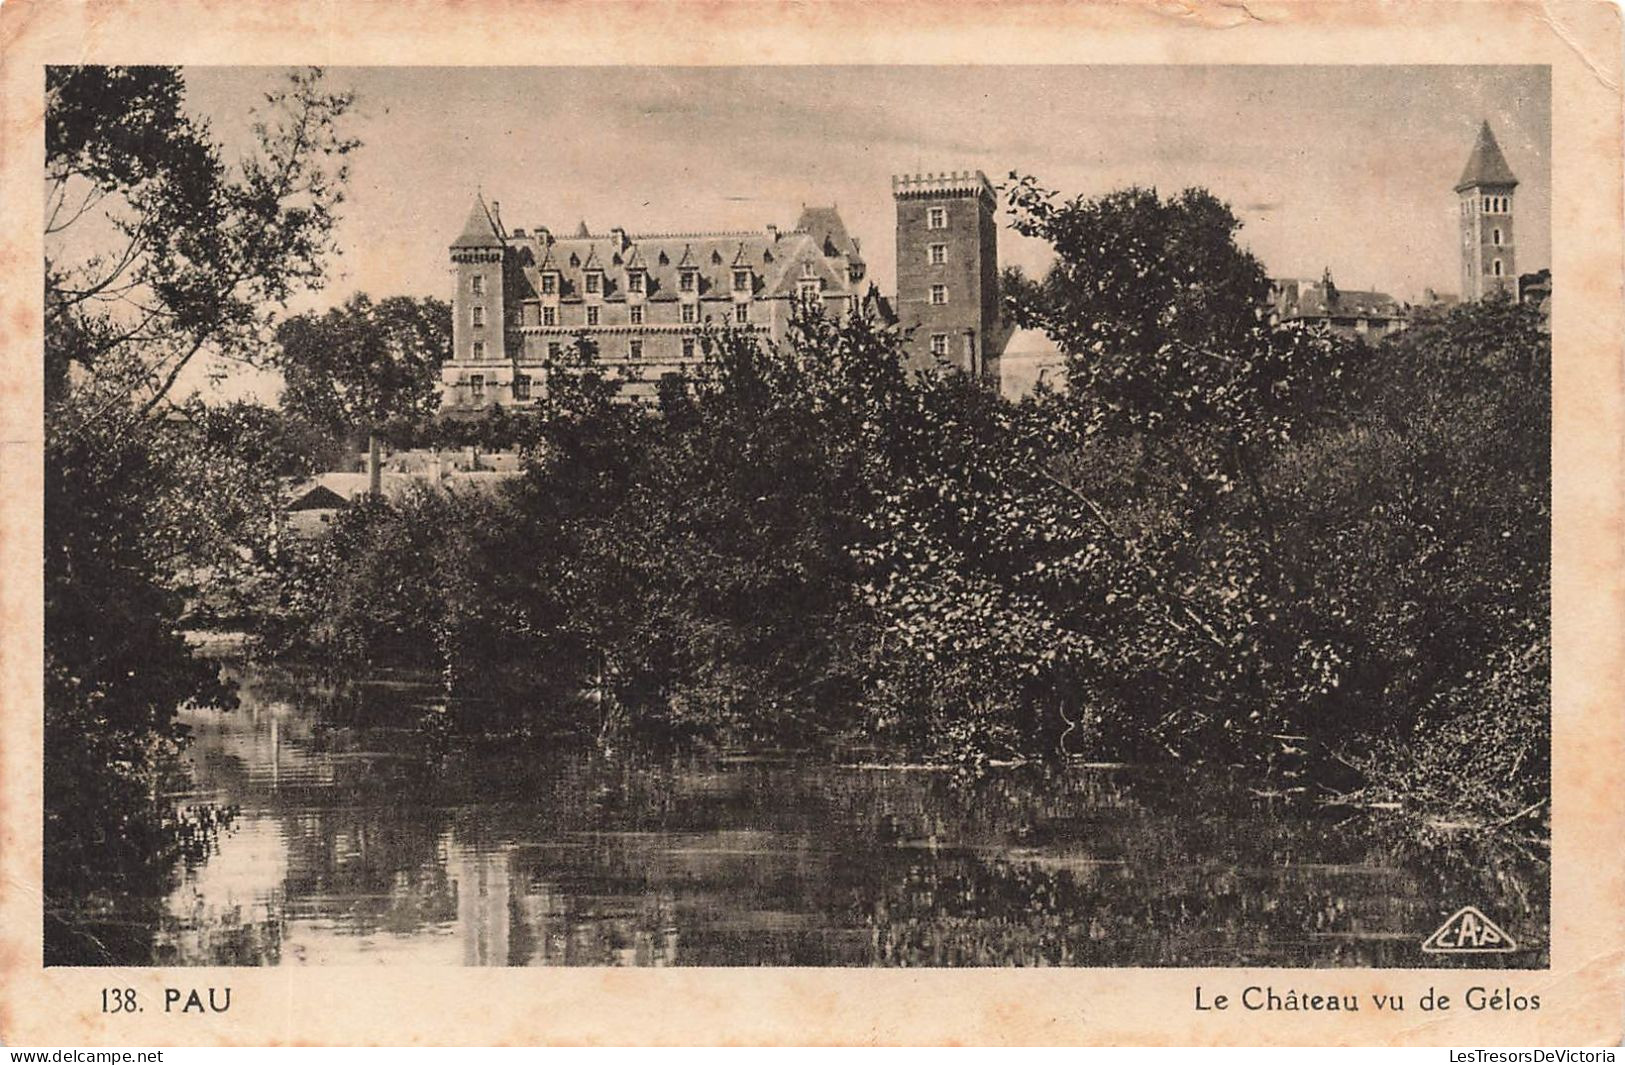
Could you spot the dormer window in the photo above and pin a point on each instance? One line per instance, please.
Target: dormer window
(550, 284)
(595, 282)
(808, 288)
(741, 280)
(634, 282)
(686, 281)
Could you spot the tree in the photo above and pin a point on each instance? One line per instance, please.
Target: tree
(362, 367)
(156, 252)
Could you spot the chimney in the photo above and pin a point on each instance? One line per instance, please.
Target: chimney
(617, 236)
(496, 216)
(542, 235)
(773, 232)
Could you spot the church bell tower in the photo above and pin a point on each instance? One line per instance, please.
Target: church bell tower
(1488, 259)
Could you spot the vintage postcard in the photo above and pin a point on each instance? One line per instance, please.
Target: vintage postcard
(945, 523)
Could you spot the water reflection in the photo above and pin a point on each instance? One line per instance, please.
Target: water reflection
(351, 844)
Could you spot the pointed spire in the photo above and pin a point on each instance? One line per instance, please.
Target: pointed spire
(1486, 166)
(479, 231)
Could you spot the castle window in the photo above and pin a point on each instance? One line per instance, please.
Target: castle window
(550, 284)
(939, 254)
(685, 281)
(592, 315)
(634, 350)
(476, 387)
(691, 314)
(550, 316)
(1496, 236)
(939, 295)
(939, 344)
(741, 313)
(521, 386)
(688, 347)
(477, 285)
(554, 349)
(741, 280)
(936, 218)
(808, 290)
(479, 350)
(592, 282)
(636, 314)
(479, 315)
(1498, 268)
(634, 281)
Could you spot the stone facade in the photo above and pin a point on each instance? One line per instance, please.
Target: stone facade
(948, 271)
(1356, 313)
(1489, 261)
(643, 299)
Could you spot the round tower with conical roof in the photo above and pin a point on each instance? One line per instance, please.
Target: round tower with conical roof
(1488, 258)
(478, 311)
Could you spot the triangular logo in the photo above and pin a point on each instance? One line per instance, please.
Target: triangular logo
(1469, 932)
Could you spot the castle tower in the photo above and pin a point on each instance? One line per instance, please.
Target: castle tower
(1488, 261)
(948, 271)
(479, 255)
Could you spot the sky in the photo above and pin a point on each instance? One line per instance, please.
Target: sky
(1349, 168)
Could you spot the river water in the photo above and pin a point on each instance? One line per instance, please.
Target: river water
(349, 843)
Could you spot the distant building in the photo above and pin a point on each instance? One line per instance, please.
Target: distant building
(1488, 252)
(1030, 358)
(643, 298)
(1369, 316)
(948, 271)
(312, 505)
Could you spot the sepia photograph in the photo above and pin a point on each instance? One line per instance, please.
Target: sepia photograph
(841, 516)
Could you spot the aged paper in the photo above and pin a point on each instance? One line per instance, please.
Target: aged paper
(380, 968)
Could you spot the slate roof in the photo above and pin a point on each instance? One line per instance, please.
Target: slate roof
(824, 225)
(778, 260)
(1486, 166)
(318, 497)
(1316, 300)
(479, 231)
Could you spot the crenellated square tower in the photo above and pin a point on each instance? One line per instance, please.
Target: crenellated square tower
(948, 271)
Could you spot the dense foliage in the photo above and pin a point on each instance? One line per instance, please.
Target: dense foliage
(157, 253)
(1224, 542)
